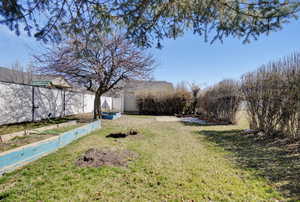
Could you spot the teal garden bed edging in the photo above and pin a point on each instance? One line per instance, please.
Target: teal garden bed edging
(12, 159)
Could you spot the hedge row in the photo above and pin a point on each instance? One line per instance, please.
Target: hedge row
(163, 103)
(217, 103)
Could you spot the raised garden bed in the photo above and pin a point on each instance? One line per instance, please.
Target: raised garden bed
(111, 115)
(17, 127)
(34, 136)
(7, 137)
(14, 158)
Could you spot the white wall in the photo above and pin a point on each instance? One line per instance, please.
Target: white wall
(88, 102)
(130, 104)
(118, 104)
(16, 103)
(74, 103)
(48, 102)
(106, 103)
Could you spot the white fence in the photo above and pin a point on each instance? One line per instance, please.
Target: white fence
(21, 103)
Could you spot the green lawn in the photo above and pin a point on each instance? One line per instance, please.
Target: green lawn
(176, 163)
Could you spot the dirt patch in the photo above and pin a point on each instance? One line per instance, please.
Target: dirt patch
(106, 157)
(117, 135)
(131, 132)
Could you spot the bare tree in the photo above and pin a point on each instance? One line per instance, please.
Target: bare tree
(99, 64)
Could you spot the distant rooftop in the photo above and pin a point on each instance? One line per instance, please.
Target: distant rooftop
(19, 77)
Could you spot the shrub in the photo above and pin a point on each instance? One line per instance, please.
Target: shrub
(164, 103)
(221, 101)
(272, 94)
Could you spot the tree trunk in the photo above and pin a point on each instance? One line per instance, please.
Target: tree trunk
(97, 105)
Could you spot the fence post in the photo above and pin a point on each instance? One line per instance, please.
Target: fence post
(83, 103)
(64, 103)
(33, 104)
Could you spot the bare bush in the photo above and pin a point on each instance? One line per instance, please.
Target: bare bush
(272, 94)
(221, 101)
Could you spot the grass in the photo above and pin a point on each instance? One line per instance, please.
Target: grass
(176, 163)
(34, 137)
(279, 163)
(57, 131)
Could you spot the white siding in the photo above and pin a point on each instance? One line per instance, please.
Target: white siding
(16, 103)
(117, 104)
(88, 103)
(130, 104)
(48, 103)
(74, 103)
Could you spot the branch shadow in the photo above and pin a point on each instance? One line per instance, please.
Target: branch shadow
(49, 103)
(17, 104)
(275, 159)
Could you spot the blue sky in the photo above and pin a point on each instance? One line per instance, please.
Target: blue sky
(187, 58)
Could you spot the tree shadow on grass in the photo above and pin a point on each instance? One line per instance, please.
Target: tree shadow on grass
(276, 159)
(200, 124)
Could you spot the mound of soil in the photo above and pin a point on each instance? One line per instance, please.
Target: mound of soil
(133, 132)
(105, 157)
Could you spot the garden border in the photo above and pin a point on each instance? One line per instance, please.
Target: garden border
(15, 158)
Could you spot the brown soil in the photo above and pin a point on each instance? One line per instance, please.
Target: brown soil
(133, 132)
(106, 157)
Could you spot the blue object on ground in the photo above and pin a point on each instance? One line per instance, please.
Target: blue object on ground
(111, 115)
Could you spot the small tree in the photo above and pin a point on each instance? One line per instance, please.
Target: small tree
(99, 64)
